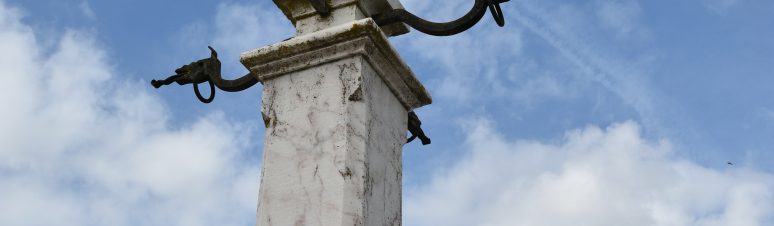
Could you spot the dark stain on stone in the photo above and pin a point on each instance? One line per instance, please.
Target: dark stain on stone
(347, 173)
(357, 95)
(266, 120)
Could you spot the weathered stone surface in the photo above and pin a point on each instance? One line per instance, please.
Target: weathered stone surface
(333, 148)
(335, 104)
(305, 18)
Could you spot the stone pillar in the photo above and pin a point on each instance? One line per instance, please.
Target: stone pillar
(335, 105)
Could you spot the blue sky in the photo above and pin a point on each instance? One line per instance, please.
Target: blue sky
(617, 112)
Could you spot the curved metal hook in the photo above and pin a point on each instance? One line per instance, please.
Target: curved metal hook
(444, 29)
(206, 70)
(497, 13)
(199, 95)
(236, 85)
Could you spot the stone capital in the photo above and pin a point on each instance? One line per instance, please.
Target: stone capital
(362, 38)
(306, 20)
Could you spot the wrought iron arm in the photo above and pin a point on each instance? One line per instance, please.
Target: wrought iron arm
(444, 29)
(415, 128)
(206, 70)
(321, 7)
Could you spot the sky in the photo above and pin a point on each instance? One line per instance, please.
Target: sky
(599, 112)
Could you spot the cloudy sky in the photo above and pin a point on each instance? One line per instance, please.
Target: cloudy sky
(600, 112)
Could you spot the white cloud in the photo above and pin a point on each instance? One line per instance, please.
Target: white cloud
(592, 176)
(79, 145)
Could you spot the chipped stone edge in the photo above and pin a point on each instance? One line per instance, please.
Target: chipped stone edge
(358, 38)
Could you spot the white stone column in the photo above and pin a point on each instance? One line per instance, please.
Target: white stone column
(335, 104)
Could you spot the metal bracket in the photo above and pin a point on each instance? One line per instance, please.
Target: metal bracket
(444, 29)
(321, 7)
(206, 70)
(415, 128)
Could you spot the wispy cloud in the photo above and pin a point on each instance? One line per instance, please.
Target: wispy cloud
(720, 6)
(626, 82)
(493, 60)
(621, 16)
(236, 28)
(596, 52)
(86, 10)
(243, 27)
(470, 63)
(592, 176)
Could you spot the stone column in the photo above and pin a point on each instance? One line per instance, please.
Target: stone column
(335, 105)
